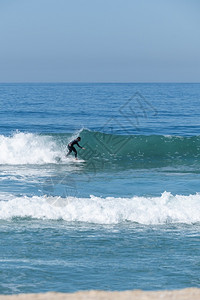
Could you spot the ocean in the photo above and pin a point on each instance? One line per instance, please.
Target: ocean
(126, 214)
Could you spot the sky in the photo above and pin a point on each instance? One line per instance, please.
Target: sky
(99, 41)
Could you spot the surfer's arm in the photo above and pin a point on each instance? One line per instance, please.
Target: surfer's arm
(79, 145)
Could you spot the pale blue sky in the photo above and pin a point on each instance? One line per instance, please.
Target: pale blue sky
(99, 41)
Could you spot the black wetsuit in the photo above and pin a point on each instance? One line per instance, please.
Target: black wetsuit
(71, 147)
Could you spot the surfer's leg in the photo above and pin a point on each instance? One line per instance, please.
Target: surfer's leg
(73, 149)
(70, 150)
(68, 153)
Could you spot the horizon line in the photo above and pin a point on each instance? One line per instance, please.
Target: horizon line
(99, 82)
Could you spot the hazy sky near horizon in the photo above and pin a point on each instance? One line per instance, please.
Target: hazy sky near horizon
(99, 41)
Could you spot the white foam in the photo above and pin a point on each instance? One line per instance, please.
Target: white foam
(29, 148)
(144, 210)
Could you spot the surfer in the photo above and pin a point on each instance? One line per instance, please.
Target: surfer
(71, 146)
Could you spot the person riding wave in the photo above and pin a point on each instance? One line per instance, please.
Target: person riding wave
(72, 148)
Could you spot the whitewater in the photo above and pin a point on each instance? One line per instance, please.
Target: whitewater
(28, 148)
(167, 209)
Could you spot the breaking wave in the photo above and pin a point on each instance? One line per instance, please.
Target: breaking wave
(29, 148)
(144, 210)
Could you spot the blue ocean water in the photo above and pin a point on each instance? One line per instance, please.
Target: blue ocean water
(126, 215)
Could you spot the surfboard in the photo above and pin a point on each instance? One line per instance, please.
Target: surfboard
(70, 160)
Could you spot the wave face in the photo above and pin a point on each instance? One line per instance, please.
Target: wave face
(29, 148)
(144, 210)
(144, 146)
